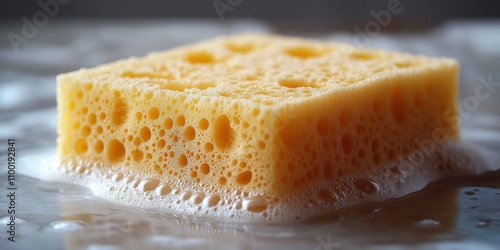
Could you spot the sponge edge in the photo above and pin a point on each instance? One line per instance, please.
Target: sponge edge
(253, 115)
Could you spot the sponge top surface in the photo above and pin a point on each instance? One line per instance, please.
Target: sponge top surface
(261, 68)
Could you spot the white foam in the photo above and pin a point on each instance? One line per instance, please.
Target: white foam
(394, 180)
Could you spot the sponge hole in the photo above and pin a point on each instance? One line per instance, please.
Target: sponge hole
(240, 47)
(168, 123)
(189, 133)
(161, 143)
(222, 181)
(99, 146)
(72, 105)
(295, 83)
(304, 52)
(92, 119)
(205, 168)
(180, 120)
(119, 112)
(223, 133)
(86, 131)
(88, 86)
(287, 136)
(244, 178)
(398, 105)
(81, 147)
(362, 55)
(153, 113)
(328, 170)
(347, 143)
(200, 57)
(403, 64)
(322, 126)
(209, 147)
(145, 134)
(183, 160)
(261, 145)
(79, 95)
(137, 155)
(116, 151)
(181, 86)
(375, 145)
(203, 124)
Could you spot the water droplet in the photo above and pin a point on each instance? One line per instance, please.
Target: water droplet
(6, 220)
(197, 198)
(211, 200)
(163, 189)
(66, 226)
(81, 169)
(185, 195)
(148, 185)
(135, 183)
(428, 223)
(255, 204)
(128, 179)
(327, 195)
(367, 185)
(117, 177)
(237, 205)
(483, 223)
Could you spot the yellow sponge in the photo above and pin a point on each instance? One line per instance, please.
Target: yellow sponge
(254, 113)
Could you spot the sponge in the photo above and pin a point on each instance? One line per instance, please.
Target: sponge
(253, 115)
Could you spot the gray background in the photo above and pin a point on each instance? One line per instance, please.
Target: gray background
(89, 33)
(332, 11)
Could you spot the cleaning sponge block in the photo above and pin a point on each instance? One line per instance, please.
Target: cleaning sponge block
(254, 115)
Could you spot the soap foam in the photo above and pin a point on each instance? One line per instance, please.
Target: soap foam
(400, 177)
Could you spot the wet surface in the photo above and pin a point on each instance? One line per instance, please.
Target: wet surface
(461, 213)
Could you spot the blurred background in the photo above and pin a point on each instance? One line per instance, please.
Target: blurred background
(40, 39)
(336, 11)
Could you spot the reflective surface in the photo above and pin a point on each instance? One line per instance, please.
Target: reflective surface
(461, 213)
(453, 214)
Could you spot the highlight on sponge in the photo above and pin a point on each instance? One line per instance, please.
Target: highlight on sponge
(250, 122)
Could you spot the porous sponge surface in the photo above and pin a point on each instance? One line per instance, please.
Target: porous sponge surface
(255, 113)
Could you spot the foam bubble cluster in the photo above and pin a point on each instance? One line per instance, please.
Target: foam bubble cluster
(393, 180)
